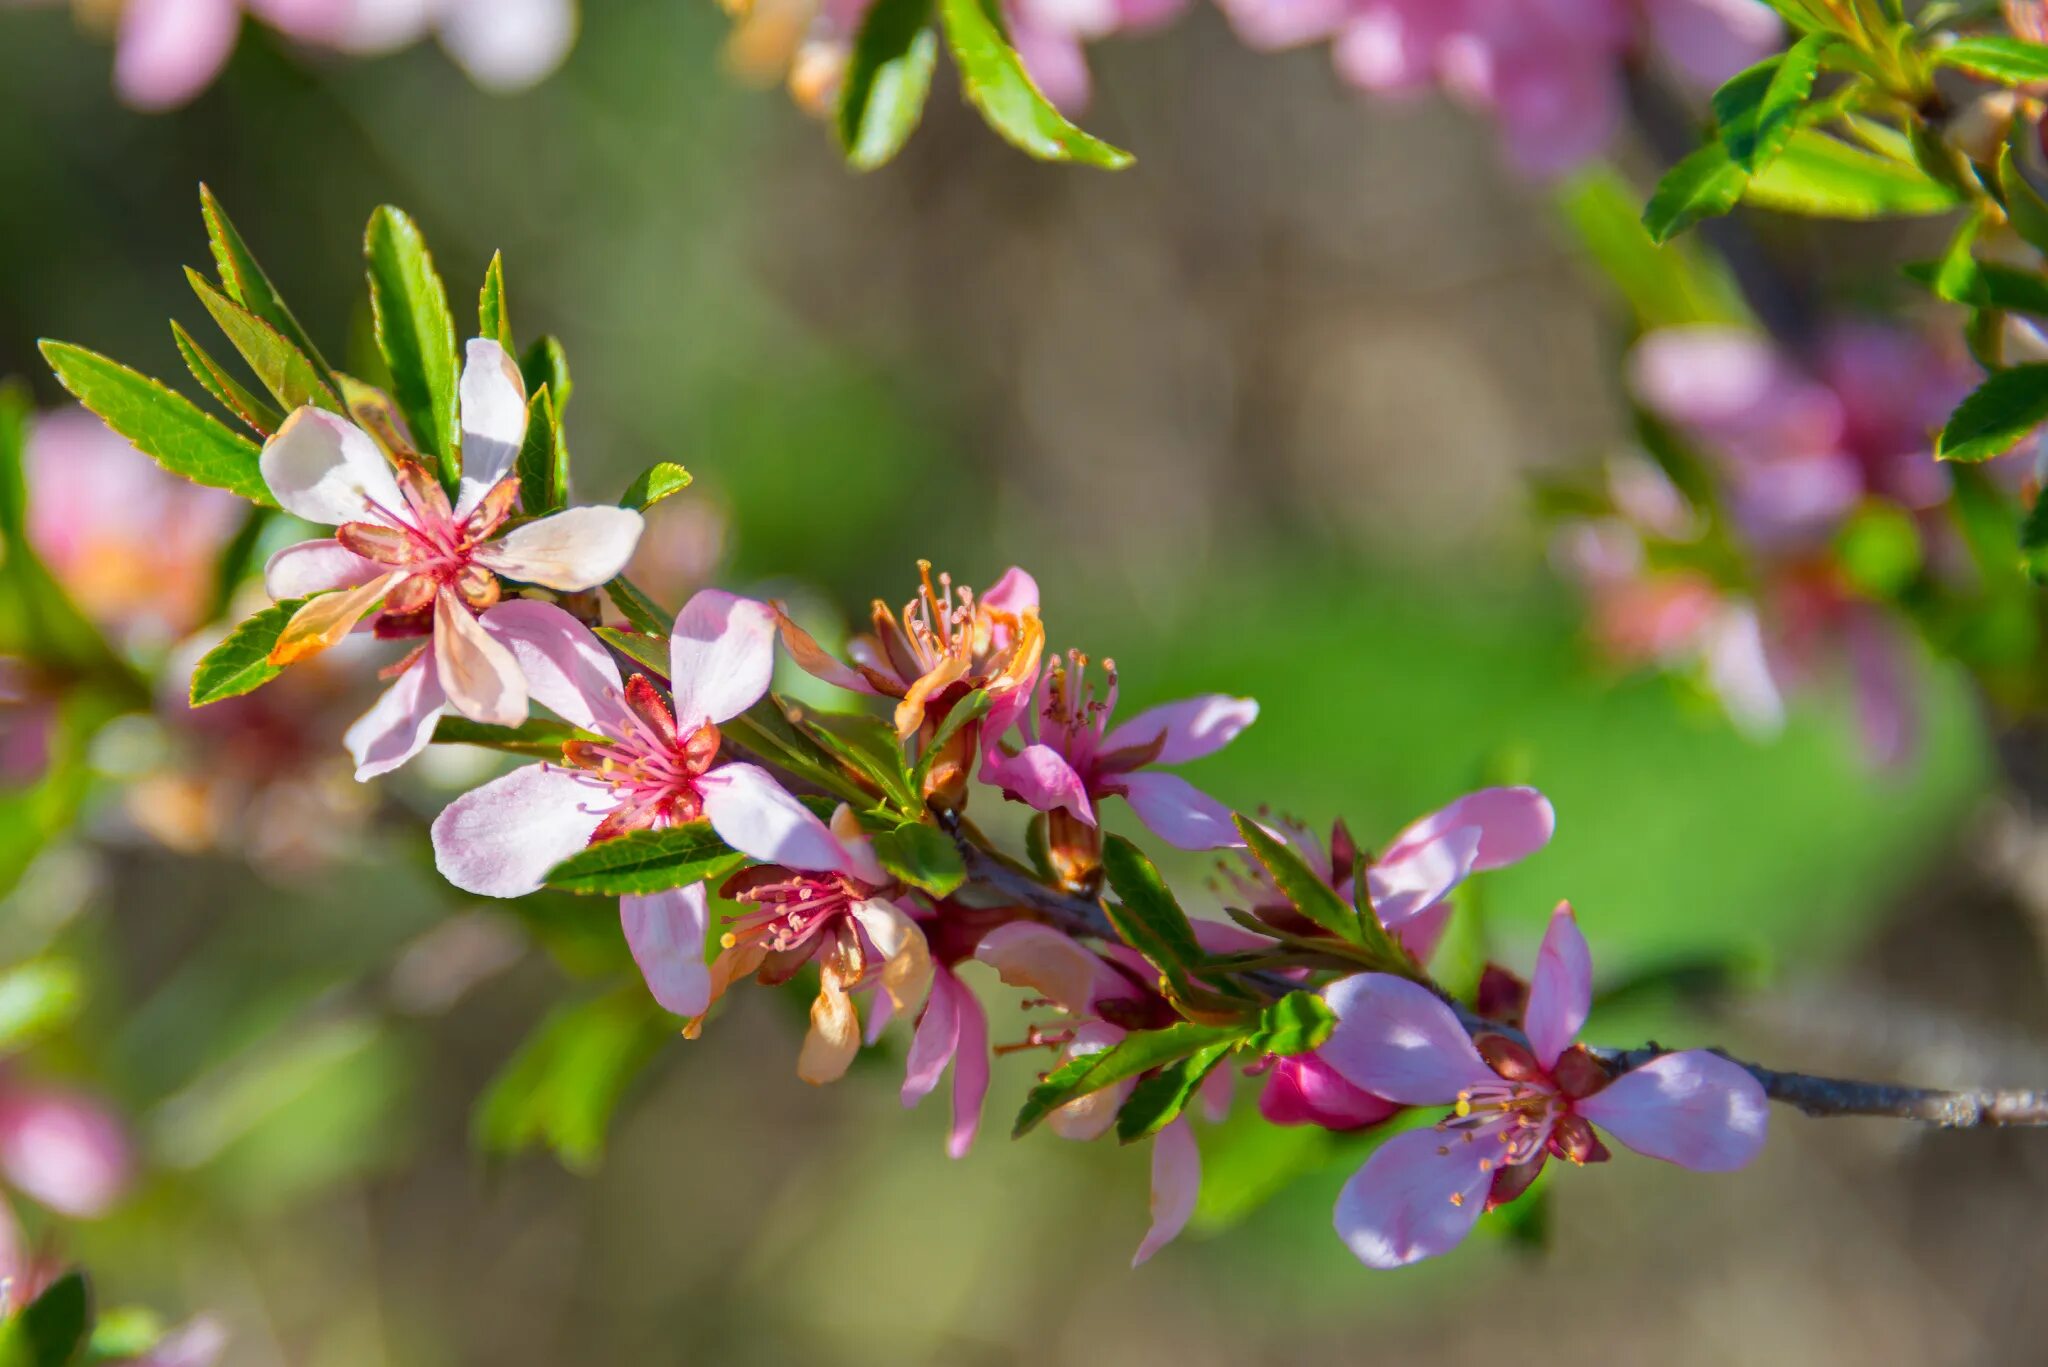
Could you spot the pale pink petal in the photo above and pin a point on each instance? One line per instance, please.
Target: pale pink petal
(65, 1151)
(1394, 1038)
(1561, 990)
(1417, 876)
(1035, 956)
(812, 659)
(970, 1068)
(1730, 385)
(1391, 47)
(508, 45)
(1057, 65)
(309, 567)
(1176, 1183)
(1178, 812)
(1739, 672)
(326, 469)
(376, 26)
(567, 670)
(1189, 729)
(1271, 25)
(500, 840)
(575, 549)
(1415, 1198)
(859, 850)
(1707, 41)
(665, 931)
(1513, 824)
(879, 1014)
(932, 1044)
(1016, 592)
(479, 675)
(751, 812)
(721, 656)
(1305, 1090)
(400, 723)
(170, 50)
(309, 21)
(1694, 1109)
(1039, 777)
(493, 398)
(199, 1342)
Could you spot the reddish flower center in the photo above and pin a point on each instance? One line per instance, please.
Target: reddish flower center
(431, 546)
(790, 906)
(648, 766)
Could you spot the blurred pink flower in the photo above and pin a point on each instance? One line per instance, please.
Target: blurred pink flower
(1512, 1106)
(63, 1149)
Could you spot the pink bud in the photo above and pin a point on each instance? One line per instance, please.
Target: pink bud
(1304, 1090)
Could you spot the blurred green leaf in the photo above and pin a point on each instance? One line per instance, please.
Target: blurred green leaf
(492, 318)
(1704, 185)
(37, 617)
(536, 736)
(238, 559)
(1139, 1052)
(226, 390)
(641, 610)
(1824, 177)
(1996, 415)
(1158, 1100)
(1879, 549)
(1982, 284)
(1758, 108)
(50, 1331)
(1667, 286)
(1246, 1161)
(2034, 541)
(282, 368)
(415, 334)
(36, 999)
(995, 81)
(1995, 57)
(561, 1089)
(164, 425)
(2024, 207)
(887, 80)
(655, 483)
(647, 861)
(923, 856)
(123, 1333)
(247, 285)
(241, 662)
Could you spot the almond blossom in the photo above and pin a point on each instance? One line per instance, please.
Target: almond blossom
(1513, 1105)
(1410, 884)
(653, 764)
(425, 566)
(1071, 758)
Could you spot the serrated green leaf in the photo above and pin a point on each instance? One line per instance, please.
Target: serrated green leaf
(51, 1329)
(1158, 1100)
(492, 318)
(562, 1087)
(164, 425)
(1135, 1053)
(641, 862)
(923, 856)
(2024, 205)
(1824, 177)
(243, 278)
(1993, 419)
(536, 736)
(37, 998)
(1148, 919)
(1704, 185)
(995, 82)
(887, 80)
(241, 663)
(542, 486)
(656, 482)
(650, 652)
(639, 609)
(1758, 108)
(1995, 57)
(281, 367)
(228, 392)
(1296, 1024)
(415, 334)
(1307, 893)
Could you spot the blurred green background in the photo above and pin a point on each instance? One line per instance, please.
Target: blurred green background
(1259, 415)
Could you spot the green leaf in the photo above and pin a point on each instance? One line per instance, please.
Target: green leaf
(1158, 1100)
(1149, 920)
(561, 1089)
(651, 652)
(123, 1333)
(281, 367)
(2009, 61)
(641, 610)
(536, 736)
(241, 663)
(923, 856)
(542, 466)
(164, 425)
(1705, 185)
(37, 998)
(247, 285)
(1307, 893)
(867, 746)
(491, 317)
(766, 732)
(545, 363)
(887, 80)
(237, 559)
(1298, 1023)
(995, 82)
(1878, 548)
(37, 617)
(971, 708)
(2024, 206)
(1668, 286)
(1993, 419)
(2034, 541)
(52, 1329)
(1758, 109)
(647, 861)
(228, 392)
(656, 482)
(415, 334)
(1824, 177)
(1135, 1053)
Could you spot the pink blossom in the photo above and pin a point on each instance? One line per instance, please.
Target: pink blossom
(426, 568)
(1513, 1105)
(1410, 884)
(63, 1149)
(654, 765)
(1304, 1090)
(1071, 758)
(951, 1032)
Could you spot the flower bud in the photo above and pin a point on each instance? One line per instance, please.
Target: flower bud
(1304, 1090)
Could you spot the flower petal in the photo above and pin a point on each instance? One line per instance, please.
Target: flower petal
(1739, 672)
(1176, 1182)
(970, 1070)
(501, 839)
(932, 1045)
(1694, 1109)
(1403, 886)
(309, 567)
(1035, 956)
(327, 618)
(170, 50)
(1561, 990)
(1415, 1197)
(1305, 1090)
(567, 670)
(1089, 1117)
(577, 548)
(64, 1150)
(751, 812)
(665, 931)
(1178, 812)
(1395, 1039)
(1513, 824)
(1039, 777)
(325, 469)
(508, 45)
(906, 959)
(1188, 729)
(493, 398)
(399, 724)
(1015, 592)
(813, 659)
(721, 656)
(834, 1036)
(479, 675)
